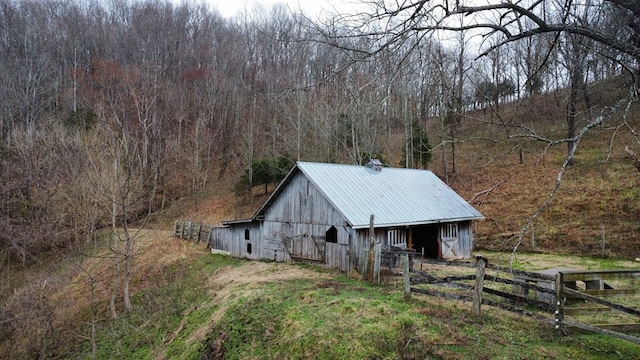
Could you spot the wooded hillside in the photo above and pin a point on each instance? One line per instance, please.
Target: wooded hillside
(112, 112)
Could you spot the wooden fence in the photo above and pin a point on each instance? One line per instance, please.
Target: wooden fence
(585, 303)
(379, 259)
(191, 231)
(534, 294)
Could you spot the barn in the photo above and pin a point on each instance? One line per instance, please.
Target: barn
(322, 213)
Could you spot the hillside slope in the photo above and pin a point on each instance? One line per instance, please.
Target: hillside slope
(598, 198)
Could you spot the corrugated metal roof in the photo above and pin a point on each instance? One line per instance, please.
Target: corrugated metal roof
(395, 196)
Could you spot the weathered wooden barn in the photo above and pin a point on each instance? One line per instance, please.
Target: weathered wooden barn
(321, 212)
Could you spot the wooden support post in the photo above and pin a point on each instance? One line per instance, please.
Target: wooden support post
(477, 294)
(210, 238)
(364, 261)
(377, 262)
(559, 313)
(189, 231)
(533, 237)
(406, 281)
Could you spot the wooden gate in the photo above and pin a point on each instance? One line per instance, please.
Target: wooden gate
(584, 302)
(449, 241)
(306, 247)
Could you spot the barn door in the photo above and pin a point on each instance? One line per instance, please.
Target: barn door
(449, 241)
(306, 247)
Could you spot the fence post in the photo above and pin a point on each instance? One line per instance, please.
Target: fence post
(559, 303)
(210, 238)
(175, 229)
(377, 260)
(533, 237)
(477, 295)
(198, 233)
(190, 237)
(603, 243)
(405, 276)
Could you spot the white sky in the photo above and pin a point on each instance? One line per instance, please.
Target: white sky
(312, 8)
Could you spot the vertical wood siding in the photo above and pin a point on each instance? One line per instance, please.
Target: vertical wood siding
(465, 239)
(232, 239)
(297, 221)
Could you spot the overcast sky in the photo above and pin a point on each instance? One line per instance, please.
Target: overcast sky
(313, 8)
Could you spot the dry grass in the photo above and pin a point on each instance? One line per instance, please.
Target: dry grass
(155, 252)
(599, 195)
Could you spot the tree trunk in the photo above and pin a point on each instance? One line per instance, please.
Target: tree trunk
(571, 116)
(116, 285)
(128, 259)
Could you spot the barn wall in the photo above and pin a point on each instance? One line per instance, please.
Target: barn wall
(298, 220)
(360, 247)
(266, 239)
(301, 202)
(232, 239)
(306, 241)
(220, 238)
(255, 240)
(465, 239)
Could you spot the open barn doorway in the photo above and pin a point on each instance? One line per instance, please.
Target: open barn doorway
(425, 238)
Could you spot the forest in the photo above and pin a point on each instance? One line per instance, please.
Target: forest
(111, 111)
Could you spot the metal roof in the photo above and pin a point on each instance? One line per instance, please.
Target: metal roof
(395, 196)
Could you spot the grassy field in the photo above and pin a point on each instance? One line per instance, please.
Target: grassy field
(190, 304)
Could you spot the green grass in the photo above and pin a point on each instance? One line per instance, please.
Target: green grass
(328, 316)
(528, 261)
(344, 319)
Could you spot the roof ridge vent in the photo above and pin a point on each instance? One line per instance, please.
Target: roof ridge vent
(374, 164)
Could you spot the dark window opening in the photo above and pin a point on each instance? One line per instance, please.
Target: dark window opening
(246, 234)
(425, 240)
(332, 235)
(248, 248)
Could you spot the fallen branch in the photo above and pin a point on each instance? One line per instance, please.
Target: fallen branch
(487, 191)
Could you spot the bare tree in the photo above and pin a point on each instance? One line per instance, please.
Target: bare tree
(117, 170)
(587, 26)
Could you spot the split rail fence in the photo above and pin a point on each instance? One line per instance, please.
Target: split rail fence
(565, 299)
